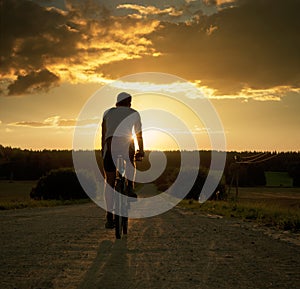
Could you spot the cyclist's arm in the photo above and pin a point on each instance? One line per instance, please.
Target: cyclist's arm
(103, 135)
(139, 137)
(139, 134)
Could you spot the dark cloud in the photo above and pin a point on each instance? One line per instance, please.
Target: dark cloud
(41, 80)
(36, 38)
(33, 37)
(55, 3)
(29, 31)
(258, 43)
(254, 44)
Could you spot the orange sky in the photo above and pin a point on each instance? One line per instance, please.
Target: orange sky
(242, 55)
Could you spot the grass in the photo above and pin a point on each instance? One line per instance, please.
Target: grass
(16, 195)
(9, 205)
(276, 208)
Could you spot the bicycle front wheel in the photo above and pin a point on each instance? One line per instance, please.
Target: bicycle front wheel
(121, 226)
(125, 225)
(118, 226)
(118, 207)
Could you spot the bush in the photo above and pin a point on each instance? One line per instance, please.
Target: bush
(218, 194)
(195, 191)
(166, 180)
(60, 184)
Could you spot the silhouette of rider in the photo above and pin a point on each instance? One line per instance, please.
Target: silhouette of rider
(119, 125)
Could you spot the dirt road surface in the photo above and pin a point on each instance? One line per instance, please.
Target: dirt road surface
(67, 247)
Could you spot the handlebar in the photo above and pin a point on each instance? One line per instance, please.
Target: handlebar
(139, 156)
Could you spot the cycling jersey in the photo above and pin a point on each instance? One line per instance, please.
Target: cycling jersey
(119, 123)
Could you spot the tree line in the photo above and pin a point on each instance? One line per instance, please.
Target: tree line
(23, 164)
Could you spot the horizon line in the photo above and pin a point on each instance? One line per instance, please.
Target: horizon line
(158, 150)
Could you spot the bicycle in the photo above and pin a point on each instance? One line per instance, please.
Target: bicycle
(122, 205)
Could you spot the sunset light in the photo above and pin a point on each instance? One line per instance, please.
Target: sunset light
(68, 50)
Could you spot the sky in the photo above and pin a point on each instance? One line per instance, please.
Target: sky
(242, 55)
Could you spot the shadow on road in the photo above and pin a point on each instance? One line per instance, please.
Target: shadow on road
(110, 269)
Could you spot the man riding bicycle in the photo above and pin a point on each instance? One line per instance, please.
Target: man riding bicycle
(118, 125)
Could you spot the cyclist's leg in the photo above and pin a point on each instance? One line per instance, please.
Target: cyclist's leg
(109, 198)
(110, 177)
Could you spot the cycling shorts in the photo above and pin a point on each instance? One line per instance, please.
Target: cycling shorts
(121, 147)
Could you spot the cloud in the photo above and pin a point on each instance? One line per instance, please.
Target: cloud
(54, 121)
(36, 80)
(67, 122)
(42, 46)
(256, 45)
(151, 10)
(58, 122)
(196, 90)
(225, 3)
(231, 46)
(29, 124)
(33, 37)
(245, 94)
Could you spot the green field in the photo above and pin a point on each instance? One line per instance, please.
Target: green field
(16, 195)
(15, 191)
(287, 198)
(278, 179)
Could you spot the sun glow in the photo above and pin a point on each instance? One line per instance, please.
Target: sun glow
(159, 140)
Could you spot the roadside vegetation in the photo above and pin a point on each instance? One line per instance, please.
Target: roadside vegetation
(10, 205)
(279, 208)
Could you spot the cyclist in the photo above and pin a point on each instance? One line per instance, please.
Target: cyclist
(118, 125)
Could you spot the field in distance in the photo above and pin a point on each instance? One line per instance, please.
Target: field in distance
(16, 195)
(288, 198)
(15, 191)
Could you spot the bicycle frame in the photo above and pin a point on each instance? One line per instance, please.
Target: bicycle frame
(121, 204)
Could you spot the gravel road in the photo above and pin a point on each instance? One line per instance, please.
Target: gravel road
(67, 247)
